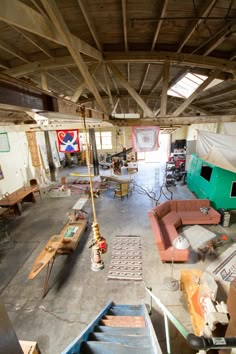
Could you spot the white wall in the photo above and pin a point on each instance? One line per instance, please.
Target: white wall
(17, 164)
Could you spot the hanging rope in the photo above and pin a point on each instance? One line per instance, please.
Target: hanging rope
(98, 243)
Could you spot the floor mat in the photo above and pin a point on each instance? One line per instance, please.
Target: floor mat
(126, 259)
(224, 267)
(197, 236)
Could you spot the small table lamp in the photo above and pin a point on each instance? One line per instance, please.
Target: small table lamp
(179, 243)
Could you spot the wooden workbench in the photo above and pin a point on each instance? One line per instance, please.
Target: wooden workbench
(14, 200)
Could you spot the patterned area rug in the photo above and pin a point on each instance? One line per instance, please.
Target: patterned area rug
(224, 267)
(197, 236)
(126, 259)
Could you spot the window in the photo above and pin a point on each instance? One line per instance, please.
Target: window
(188, 84)
(103, 140)
(233, 190)
(206, 172)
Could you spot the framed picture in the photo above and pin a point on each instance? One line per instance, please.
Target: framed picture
(4, 143)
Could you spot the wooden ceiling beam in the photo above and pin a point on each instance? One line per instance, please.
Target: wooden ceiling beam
(22, 16)
(107, 85)
(172, 121)
(190, 60)
(115, 107)
(181, 59)
(83, 85)
(207, 6)
(86, 13)
(159, 24)
(131, 90)
(164, 89)
(194, 95)
(36, 41)
(124, 17)
(216, 94)
(68, 39)
(219, 101)
(163, 9)
(14, 51)
(63, 83)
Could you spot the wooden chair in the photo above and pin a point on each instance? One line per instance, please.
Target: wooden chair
(122, 191)
(34, 182)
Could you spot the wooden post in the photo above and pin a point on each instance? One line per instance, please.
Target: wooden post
(94, 151)
(52, 167)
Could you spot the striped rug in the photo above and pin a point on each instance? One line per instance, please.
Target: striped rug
(126, 259)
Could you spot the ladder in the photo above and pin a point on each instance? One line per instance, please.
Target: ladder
(117, 329)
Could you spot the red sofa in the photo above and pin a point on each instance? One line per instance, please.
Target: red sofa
(168, 216)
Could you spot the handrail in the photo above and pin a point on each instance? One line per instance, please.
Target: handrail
(194, 341)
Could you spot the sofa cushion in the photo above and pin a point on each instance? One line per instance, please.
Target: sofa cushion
(192, 204)
(195, 217)
(162, 209)
(169, 233)
(158, 237)
(172, 218)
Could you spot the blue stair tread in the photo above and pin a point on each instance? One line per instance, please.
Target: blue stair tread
(121, 330)
(122, 311)
(113, 348)
(134, 340)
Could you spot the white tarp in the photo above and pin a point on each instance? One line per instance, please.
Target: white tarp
(217, 149)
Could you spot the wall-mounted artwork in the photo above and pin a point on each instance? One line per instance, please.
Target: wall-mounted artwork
(4, 143)
(68, 140)
(145, 138)
(1, 173)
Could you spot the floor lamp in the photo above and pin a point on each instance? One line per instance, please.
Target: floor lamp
(179, 243)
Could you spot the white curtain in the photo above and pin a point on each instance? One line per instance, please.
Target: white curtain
(218, 149)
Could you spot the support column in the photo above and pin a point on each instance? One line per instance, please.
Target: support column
(92, 141)
(52, 167)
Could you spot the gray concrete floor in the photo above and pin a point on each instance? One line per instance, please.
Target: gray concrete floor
(76, 293)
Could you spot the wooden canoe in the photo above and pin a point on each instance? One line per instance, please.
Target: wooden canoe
(46, 255)
(69, 243)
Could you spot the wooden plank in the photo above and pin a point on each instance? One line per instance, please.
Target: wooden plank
(45, 256)
(29, 347)
(20, 15)
(164, 88)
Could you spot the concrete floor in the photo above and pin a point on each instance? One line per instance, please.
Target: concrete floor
(76, 293)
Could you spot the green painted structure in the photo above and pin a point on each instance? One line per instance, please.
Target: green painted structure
(208, 181)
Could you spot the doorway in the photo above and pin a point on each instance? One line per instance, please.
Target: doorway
(160, 155)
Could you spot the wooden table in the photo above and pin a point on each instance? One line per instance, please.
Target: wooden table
(14, 200)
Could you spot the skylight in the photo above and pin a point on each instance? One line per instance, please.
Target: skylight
(188, 84)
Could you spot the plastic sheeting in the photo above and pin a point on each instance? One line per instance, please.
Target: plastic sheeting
(217, 149)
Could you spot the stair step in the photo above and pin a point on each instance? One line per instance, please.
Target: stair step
(134, 340)
(113, 348)
(126, 310)
(121, 330)
(123, 321)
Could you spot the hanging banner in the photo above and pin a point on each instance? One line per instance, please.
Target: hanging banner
(68, 140)
(145, 139)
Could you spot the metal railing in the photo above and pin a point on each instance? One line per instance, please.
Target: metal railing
(195, 342)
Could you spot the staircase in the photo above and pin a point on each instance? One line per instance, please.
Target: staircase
(117, 329)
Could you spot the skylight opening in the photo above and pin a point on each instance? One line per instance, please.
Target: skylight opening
(188, 84)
